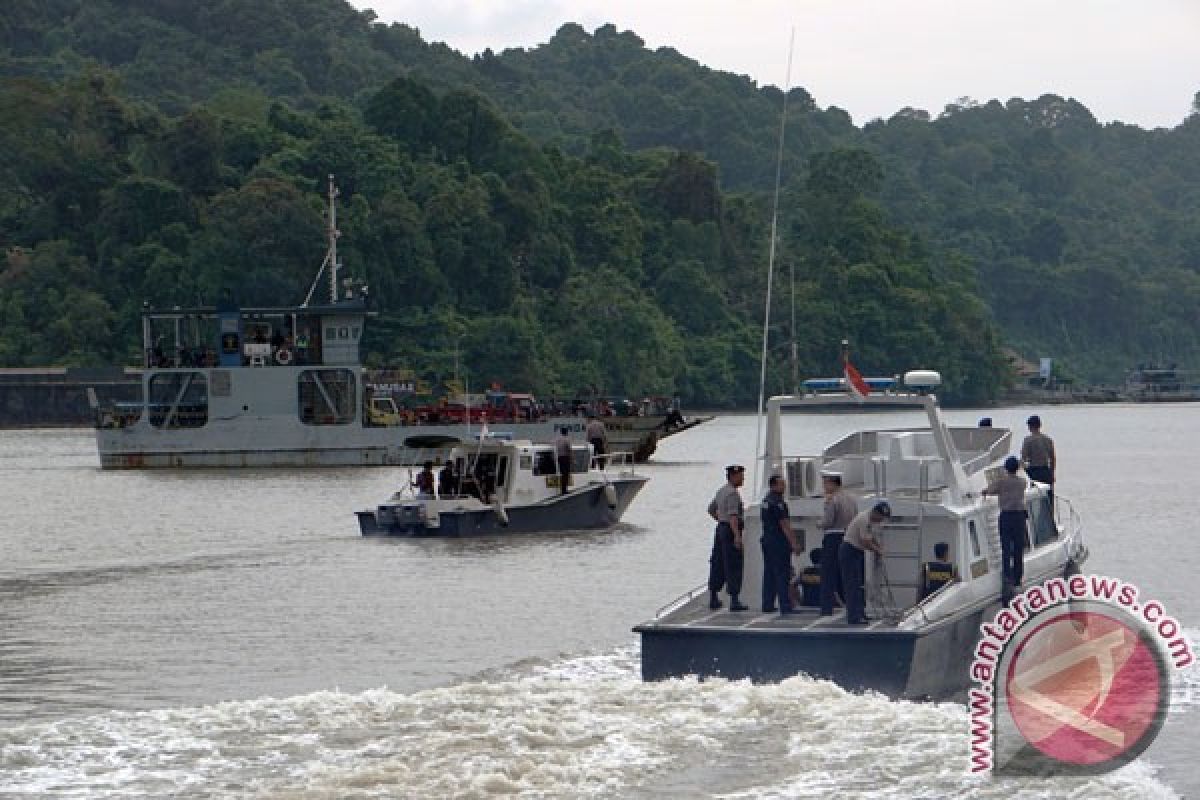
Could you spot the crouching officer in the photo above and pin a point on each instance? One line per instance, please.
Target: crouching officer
(778, 544)
(939, 572)
(727, 559)
(861, 535)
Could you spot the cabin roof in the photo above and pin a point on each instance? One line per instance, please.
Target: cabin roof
(355, 306)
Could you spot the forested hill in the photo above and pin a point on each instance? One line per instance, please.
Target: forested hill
(532, 206)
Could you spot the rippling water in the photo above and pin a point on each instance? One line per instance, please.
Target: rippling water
(229, 634)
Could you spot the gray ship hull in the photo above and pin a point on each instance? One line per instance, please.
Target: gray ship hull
(581, 509)
(929, 663)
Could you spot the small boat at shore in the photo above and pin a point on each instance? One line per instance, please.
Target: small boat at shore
(931, 475)
(502, 486)
(1155, 383)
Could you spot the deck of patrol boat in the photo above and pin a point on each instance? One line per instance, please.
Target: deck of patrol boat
(695, 613)
(916, 663)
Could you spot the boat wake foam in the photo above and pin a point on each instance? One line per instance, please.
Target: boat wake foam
(578, 726)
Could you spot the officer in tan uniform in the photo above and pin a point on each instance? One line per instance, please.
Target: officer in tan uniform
(728, 556)
(840, 509)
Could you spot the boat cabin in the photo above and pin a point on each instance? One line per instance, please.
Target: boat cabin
(516, 472)
(223, 360)
(930, 473)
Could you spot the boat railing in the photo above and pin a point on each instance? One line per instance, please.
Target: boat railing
(620, 460)
(681, 601)
(871, 472)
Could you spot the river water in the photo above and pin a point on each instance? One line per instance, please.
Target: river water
(229, 634)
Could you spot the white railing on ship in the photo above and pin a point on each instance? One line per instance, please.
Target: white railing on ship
(618, 459)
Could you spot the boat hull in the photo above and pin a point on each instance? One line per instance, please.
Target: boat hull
(287, 444)
(586, 508)
(929, 663)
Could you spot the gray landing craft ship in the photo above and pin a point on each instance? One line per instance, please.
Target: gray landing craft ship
(230, 386)
(931, 475)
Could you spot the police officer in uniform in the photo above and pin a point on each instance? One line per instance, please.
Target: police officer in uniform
(1010, 491)
(860, 536)
(939, 572)
(597, 435)
(726, 561)
(1038, 456)
(562, 452)
(778, 543)
(840, 509)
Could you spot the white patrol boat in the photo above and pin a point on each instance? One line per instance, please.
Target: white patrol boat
(227, 386)
(511, 487)
(932, 476)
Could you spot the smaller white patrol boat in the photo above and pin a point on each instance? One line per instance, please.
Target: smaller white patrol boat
(501, 486)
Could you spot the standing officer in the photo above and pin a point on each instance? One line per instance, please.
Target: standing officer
(726, 561)
(1010, 492)
(778, 544)
(840, 509)
(562, 450)
(1037, 454)
(860, 536)
(597, 435)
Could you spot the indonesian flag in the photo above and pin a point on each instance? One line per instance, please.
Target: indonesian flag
(855, 382)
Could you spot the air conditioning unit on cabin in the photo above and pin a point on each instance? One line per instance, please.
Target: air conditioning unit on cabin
(804, 478)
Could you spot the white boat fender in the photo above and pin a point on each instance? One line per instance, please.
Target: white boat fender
(501, 514)
(610, 495)
(283, 356)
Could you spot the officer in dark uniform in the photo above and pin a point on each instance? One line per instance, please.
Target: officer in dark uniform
(810, 580)
(778, 544)
(728, 557)
(939, 572)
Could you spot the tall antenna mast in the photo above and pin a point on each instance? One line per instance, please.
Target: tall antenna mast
(762, 381)
(331, 256)
(795, 359)
(334, 233)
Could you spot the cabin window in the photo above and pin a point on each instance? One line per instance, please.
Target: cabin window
(974, 539)
(581, 458)
(326, 397)
(178, 400)
(526, 462)
(545, 463)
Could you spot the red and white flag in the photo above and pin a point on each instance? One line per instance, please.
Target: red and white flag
(855, 382)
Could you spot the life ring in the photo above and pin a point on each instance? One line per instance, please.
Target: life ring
(283, 356)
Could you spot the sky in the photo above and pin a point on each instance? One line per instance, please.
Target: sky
(1137, 61)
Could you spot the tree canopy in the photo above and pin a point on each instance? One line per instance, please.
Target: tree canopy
(585, 213)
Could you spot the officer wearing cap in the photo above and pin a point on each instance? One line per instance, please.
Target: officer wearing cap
(840, 509)
(1037, 455)
(727, 559)
(1009, 490)
(861, 535)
